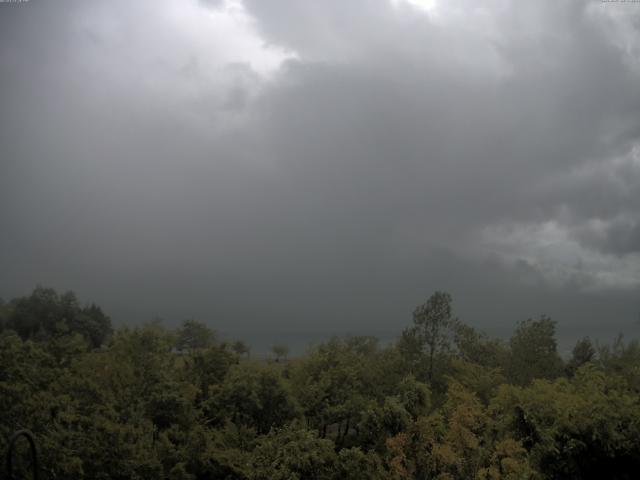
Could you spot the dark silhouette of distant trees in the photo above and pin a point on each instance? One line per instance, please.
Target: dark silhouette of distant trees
(46, 314)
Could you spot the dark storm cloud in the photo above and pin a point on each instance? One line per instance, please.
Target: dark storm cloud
(163, 165)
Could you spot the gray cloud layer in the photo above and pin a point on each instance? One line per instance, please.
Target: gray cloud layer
(324, 165)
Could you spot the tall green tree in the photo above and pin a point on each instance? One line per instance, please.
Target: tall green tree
(255, 396)
(477, 347)
(240, 348)
(334, 382)
(193, 335)
(534, 352)
(583, 352)
(293, 453)
(280, 351)
(432, 329)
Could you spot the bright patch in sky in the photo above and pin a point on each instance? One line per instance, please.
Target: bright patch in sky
(186, 38)
(548, 247)
(427, 5)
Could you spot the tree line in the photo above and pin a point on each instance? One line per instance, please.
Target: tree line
(444, 401)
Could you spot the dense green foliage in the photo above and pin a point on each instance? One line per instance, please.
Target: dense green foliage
(443, 402)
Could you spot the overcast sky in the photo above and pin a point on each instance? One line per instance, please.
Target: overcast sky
(324, 166)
